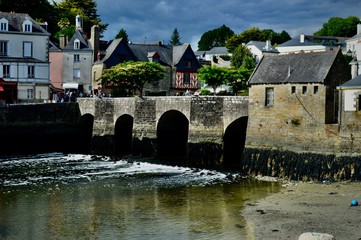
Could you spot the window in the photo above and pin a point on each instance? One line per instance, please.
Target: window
(304, 89)
(3, 26)
(76, 73)
(359, 103)
(3, 48)
(6, 71)
(269, 97)
(31, 71)
(186, 78)
(188, 64)
(27, 49)
(27, 26)
(315, 89)
(76, 58)
(293, 89)
(76, 44)
(30, 93)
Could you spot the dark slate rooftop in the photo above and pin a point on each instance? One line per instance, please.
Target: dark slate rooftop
(311, 40)
(262, 46)
(353, 83)
(83, 43)
(16, 23)
(303, 68)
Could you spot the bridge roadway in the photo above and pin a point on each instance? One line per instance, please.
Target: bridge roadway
(172, 122)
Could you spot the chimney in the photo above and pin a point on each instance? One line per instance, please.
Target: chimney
(78, 22)
(268, 45)
(302, 38)
(95, 40)
(359, 28)
(62, 41)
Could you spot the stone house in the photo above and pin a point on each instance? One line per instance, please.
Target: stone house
(24, 58)
(293, 102)
(180, 62)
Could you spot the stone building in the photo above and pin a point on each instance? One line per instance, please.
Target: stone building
(293, 102)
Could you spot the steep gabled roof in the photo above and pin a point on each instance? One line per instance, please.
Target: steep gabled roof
(16, 21)
(294, 68)
(164, 51)
(83, 42)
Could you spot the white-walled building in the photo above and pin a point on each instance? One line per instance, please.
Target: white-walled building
(353, 47)
(24, 57)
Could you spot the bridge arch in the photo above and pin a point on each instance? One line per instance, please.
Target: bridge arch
(172, 136)
(123, 131)
(234, 141)
(86, 123)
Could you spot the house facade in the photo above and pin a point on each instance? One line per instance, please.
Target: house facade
(180, 62)
(293, 101)
(260, 49)
(24, 57)
(353, 47)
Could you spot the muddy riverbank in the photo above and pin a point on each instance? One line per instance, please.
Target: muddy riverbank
(306, 207)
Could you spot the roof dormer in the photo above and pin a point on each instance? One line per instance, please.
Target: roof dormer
(4, 24)
(153, 57)
(76, 44)
(27, 26)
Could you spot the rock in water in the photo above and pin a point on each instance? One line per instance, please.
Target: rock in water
(315, 236)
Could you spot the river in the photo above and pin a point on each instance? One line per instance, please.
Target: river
(74, 196)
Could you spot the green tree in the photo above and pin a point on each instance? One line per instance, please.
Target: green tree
(87, 9)
(214, 38)
(339, 27)
(213, 76)
(122, 34)
(241, 56)
(175, 38)
(132, 76)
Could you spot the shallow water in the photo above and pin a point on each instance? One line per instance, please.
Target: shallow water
(58, 196)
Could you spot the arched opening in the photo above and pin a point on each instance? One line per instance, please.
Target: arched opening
(86, 132)
(172, 136)
(233, 142)
(123, 134)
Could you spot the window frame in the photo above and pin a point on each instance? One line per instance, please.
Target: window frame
(76, 58)
(186, 78)
(31, 71)
(269, 98)
(4, 48)
(6, 71)
(25, 49)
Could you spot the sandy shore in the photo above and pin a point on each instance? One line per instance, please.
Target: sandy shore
(306, 207)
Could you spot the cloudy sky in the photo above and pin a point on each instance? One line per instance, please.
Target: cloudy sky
(154, 20)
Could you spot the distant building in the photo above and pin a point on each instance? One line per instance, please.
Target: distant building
(24, 58)
(353, 47)
(180, 62)
(310, 43)
(260, 49)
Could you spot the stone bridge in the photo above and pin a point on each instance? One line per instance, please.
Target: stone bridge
(204, 130)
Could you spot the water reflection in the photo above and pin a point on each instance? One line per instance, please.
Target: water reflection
(121, 201)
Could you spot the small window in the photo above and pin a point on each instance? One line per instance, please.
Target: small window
(76, 44)
(27, 49)
(186, 78)
(269, 97)
(3, 48)
(30, 93)
(315, 89)
(293, 89)
(76, 58)
(359, 103)
(27, 26)
(188, 64)
(304, 89)
(6, 71)
(31, 71)
(3, 26)
(76, 73)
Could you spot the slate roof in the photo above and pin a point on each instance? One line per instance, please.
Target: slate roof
(262, 46)
(303, 67)
(16, 23)
(218, 51)
(353, 83)
(83, 43)
(311, 40)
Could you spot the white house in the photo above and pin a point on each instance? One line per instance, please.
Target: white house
(353, 47)
(260, 49)
(24, 57)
